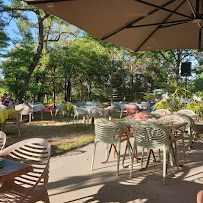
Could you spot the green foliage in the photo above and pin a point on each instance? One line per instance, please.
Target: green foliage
(4, 39)
(196, 107)
(15, 68)
(76, 63)
(175, 100)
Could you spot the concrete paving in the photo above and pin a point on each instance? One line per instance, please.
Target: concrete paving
(71, 179)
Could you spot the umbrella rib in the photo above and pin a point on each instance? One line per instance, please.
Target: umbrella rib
(152, 24)
(45, 1)
(193, 11)
(165, 9)
(178, 23)
(159, 25)
(191, 7)
(137, 20)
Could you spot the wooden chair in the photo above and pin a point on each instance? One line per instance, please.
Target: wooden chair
(2, 140)
(49, 109)
(31, 187)
(151, 136)
(110, 132)
(177, 134)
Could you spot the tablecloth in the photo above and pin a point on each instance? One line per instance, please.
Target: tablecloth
(67, 106)
(4, 114)
(95, 111)
(37, 106)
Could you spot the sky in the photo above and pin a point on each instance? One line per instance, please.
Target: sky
(12, 29)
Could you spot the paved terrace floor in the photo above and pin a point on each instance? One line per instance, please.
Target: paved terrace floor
(72, 181)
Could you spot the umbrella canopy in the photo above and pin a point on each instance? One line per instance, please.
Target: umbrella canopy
(140, 25)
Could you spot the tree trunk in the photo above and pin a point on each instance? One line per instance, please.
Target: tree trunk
(69, 90)
(112, 70)
(177, 68)
(80, 90)
(65, 90)
(123, 81)
(89, 89)
(131, 79)
(35, 60)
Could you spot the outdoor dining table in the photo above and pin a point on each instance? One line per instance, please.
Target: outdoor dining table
(95, 112)
(5, 113)
(38, 106)
(12, 169)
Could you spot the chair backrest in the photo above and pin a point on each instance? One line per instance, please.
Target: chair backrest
(161, 112)
(51, 107)
(137, 117)
(59, 106)
(78, 111)
(187, 112)
(121, 106)
(150, 135)
(108, 131)
(36, 152)
(2, 140)
(188, 119)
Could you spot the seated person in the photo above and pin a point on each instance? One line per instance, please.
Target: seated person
(2, 106)
(9, 102)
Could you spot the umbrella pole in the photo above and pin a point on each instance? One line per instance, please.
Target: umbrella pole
(185, 92)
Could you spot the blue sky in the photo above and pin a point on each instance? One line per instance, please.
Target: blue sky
(12, 29)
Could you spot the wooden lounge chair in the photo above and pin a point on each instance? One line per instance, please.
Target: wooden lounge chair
(30, 187)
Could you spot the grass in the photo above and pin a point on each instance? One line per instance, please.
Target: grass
(61, 133)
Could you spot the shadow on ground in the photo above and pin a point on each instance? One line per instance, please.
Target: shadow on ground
(145, 186)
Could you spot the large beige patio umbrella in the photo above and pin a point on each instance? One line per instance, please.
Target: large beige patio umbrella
(140, 25)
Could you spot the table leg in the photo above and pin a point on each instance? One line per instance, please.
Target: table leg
(112, 145)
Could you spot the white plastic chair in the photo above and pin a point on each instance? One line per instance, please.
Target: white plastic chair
(2, 140)
(59, 108)
(79, 112)
(151, 136)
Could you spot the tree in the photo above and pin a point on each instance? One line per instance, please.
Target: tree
(174, 58)
(4, 39)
